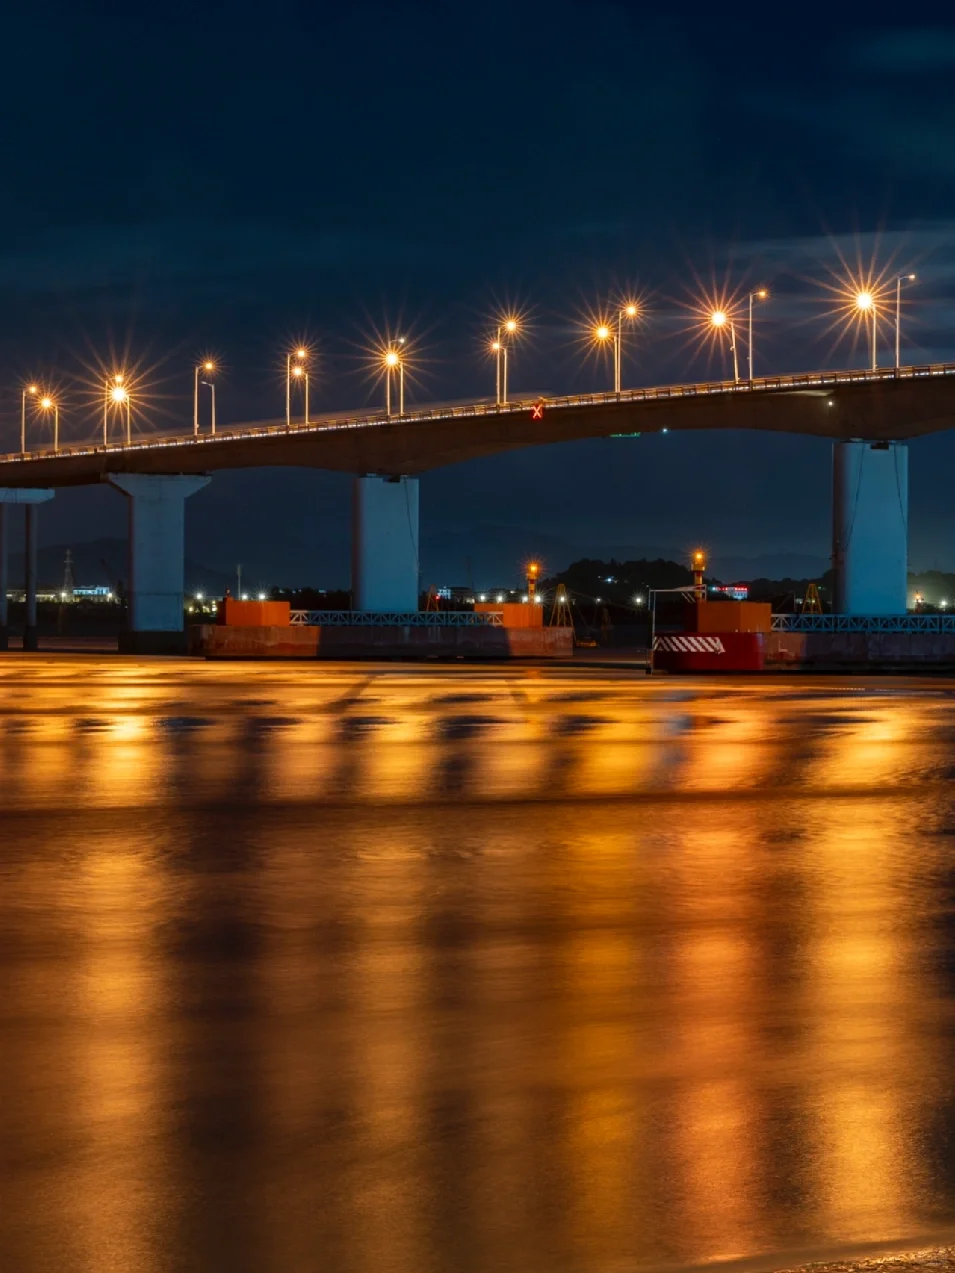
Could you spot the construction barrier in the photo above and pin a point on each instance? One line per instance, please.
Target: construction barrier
(710, 652)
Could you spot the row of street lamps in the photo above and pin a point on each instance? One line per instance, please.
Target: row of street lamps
(118, 397)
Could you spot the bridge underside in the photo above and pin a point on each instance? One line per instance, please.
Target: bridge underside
(883, 410)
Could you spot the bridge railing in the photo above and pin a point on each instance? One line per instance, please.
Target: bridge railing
(660, 393)
(928, 623)
(397, 619)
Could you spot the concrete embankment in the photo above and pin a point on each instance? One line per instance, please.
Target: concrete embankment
(861, 651)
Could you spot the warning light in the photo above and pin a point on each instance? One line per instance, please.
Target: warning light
(537, 411)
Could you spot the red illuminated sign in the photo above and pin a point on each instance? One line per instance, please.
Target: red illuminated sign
(537, 411)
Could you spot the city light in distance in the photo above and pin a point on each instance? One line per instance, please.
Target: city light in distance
(261, 596)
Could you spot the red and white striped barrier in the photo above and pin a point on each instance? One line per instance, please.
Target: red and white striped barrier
(686, 644)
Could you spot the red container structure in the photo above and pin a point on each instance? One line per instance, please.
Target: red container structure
(709, 652)
(718, 636)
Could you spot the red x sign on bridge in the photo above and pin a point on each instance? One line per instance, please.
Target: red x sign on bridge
(537, 411)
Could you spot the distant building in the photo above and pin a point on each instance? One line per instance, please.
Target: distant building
(735, 591)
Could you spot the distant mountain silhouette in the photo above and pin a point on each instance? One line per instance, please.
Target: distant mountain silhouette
(483, 557)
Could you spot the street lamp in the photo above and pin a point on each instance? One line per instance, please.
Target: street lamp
(207, 366)
(300, 374)
(760, 295)
(902, 278)
(30, 391)
(601, 334)
(300, 354)
(210, 385)
(392, 361)
(720, 319)
(865, 304)
(628, 311)
(49, 404)
(117, 395)
(507, 327)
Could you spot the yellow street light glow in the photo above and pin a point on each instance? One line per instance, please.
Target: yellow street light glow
(392, 358)
(533, 568)
(32, 389)
(301, 353)
(718, 318)
(699, 557)
(631, 311)
(602, 332)
(118, 378)
(762, 293)
(208, 366)
(511, 325)
(118, 394)
(46, 403)
(495, 346)
(864, 300)
(298, 371)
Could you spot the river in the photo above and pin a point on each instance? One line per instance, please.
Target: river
(367, 967)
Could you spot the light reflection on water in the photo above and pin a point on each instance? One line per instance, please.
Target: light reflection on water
(395, 970)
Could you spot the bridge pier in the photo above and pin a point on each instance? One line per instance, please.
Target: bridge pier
(385, 544)
(870, 517)
(156, 559)
(29, 499)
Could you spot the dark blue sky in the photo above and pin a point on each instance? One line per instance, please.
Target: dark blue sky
(227, 176)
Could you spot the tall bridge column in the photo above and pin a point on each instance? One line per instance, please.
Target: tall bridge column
(29, 499)
(870, 519)
(156, 559)
(385, 544)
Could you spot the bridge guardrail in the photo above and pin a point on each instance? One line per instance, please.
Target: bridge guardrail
(397, 619)
(800, 380)
(928, 623)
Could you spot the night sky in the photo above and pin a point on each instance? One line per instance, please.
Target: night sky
(228, 178)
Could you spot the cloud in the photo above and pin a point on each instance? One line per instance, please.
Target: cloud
(180, 251)
(908, 52)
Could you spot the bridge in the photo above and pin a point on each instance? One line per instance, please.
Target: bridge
(868, 414)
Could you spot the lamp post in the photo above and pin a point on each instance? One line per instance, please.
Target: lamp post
(299, 372)
(719, 319)
(118, 395)
(902, 278)
(393, 362)
(603, 333)
(50, 404)
(628, 311)
(865, 304)
(29, 391)
(207, 366)
(210, 385)
(508, 327)
(760, 295)
(301, 354)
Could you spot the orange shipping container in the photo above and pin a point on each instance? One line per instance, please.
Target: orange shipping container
(517, 614)
(729, 616)
(253, 614)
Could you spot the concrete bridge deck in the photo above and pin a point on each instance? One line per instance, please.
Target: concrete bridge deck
(885, 405)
